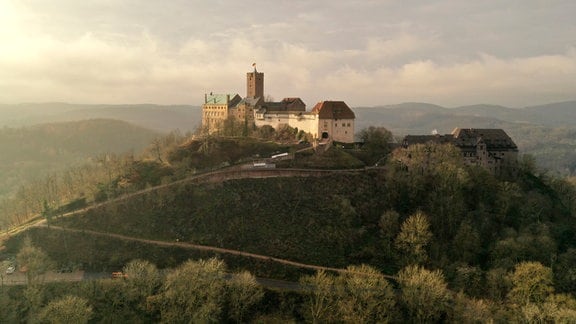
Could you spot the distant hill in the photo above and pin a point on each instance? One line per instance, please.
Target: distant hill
(156, 117)
(422, 118)
(547, 132)
(32, 151)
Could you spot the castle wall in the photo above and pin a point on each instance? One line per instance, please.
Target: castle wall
(342, 130)
(304, 122)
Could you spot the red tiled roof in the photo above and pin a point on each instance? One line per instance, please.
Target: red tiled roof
(333, 110)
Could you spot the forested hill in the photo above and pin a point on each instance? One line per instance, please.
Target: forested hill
(33, 151)
(458, 243)
(163, 118)
(422, 118)
(484, 237)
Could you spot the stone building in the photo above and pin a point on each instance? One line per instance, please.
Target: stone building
(217, 108)
(489, 148)
(330, 120)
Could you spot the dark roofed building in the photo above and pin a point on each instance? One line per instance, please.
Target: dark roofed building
(490, 148)
(294, 104)
(287, 104)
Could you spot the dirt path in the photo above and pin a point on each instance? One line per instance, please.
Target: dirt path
(200, 248)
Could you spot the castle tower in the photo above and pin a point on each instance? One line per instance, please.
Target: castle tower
(255, 84)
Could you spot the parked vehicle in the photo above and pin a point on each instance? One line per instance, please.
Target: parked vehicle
(10, 269)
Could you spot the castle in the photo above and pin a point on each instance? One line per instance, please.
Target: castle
(328, 120)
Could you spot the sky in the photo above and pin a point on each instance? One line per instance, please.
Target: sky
(514, 53)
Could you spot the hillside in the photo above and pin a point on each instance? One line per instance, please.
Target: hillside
(343, 216)
(424, 207)
(157, 117)
(34, 151)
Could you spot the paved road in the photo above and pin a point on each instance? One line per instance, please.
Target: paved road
(19, 278)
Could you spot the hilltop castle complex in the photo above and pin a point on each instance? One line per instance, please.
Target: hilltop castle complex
(334, 121)
(330, 120)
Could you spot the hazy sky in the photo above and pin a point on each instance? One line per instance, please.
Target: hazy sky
(365, 52)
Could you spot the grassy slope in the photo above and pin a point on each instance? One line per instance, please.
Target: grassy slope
(302, 219)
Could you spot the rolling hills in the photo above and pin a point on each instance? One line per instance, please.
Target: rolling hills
(155, 117)
(34, 151)
(547, 132)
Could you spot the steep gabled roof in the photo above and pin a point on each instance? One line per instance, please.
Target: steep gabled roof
(222, 99)
(294, 104)
(274, 106)
(333, 110)
(494, 138)
(251, 101)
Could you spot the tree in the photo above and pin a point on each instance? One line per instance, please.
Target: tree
(243, 294)
(142, 280)
(33, 300)
(466, 244)
(377, 143)
(321, 297)
(47, 212)
(266, 132)
(33, 261)
(423, 293)
(468, 310)
(531, 283)
(389, 225)
(413, 238)
(194, 292)
(497, 284)
(468, 279)
(68, 309)
(365, 296)
(565, 271)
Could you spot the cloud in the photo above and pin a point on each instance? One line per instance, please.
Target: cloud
(387, 61)
(487, 79)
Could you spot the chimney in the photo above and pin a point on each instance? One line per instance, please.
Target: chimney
(227, 98)
(205, 98)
